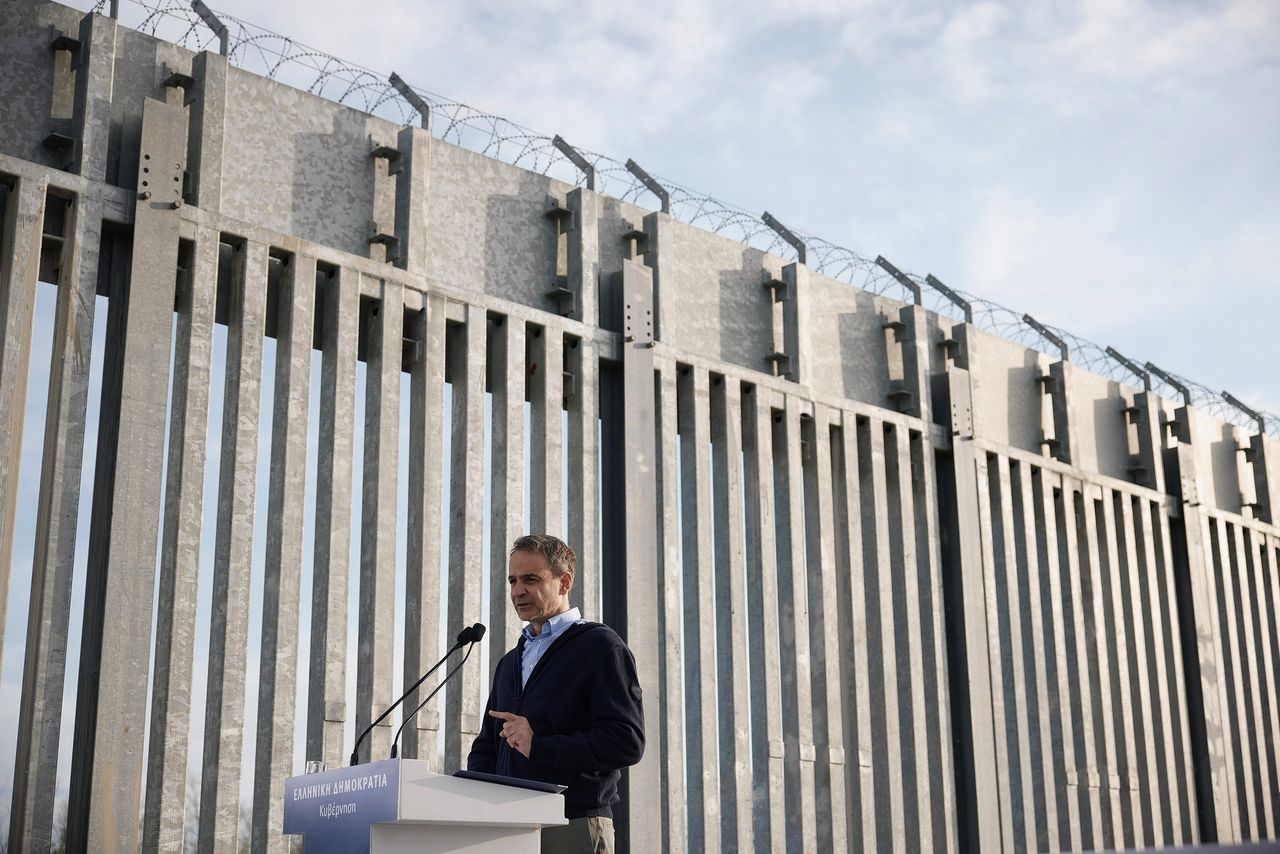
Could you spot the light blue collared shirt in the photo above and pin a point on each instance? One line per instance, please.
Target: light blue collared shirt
(536, 645)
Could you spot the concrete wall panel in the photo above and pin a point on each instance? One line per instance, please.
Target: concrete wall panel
(296, 164)
(28, 103)
(487, 227)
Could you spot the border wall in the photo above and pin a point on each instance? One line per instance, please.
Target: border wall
(892, 582)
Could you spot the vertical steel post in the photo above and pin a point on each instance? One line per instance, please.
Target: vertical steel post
(105, 800)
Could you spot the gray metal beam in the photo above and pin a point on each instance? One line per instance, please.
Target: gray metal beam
(415, 100)
(57, 514)
(786, 234)
(576, 158)
(824, 640)
(282, 582)
(212, 22)
(651, 184)
(206, 136)
(106, 786)
(23, 221)
(954, 296)
(582, 455)
(1049, 335)
(732, 671)
(667, 707)
(1131, 366)
(583, 246)
(426, 511)
(797, 335)
(166, 797)
(1172, 382)
(93, 120)
(219, 819)
(375, 655)
(465, 357)
(327, 681)
(640, 586)
(1201, 653)
(701, 708)
(912, 286)
(413, 192)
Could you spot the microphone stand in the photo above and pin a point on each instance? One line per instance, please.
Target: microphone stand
(464, 637)
(443, 682)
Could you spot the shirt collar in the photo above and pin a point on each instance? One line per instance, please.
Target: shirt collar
(554, 625)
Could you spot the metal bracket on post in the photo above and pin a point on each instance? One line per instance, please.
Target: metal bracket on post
(1049, 336)
(177, 80)
(415, 100)
(779, 362)
(1131, 366)
(60, 137)
(1171, 381)
(955, 345)
(1251, 464)
(386, 151)
(564, 297)
(902, 278)
(651, 185)
(1254, 414)
(584, 166)
(901, 342)
(558, 212)
(212, 22)
(1177, 426)
(70, 44)
(379, 234)
(1140, 432)
(786, 234)
(954, 296)
(61, 142)
(1056, 423)
(636, 241)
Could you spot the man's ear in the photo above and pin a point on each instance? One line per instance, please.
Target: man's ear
(566, 583)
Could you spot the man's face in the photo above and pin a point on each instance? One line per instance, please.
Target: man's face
(536, 593)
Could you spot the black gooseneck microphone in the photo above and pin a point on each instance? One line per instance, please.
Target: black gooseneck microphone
(477, 633)
(466, 636)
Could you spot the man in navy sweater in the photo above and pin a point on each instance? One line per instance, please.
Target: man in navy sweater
(565, 703)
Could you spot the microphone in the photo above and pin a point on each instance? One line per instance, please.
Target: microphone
(477, 632)
(466, 636)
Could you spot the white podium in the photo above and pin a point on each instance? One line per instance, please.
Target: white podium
(397, 806)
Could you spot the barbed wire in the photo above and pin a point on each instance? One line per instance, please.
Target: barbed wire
(703, 211)
(1006, 323)
(283, 59)
(1094, 358)
(1214, 404)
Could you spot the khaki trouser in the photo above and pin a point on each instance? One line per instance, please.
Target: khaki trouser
(592, 835)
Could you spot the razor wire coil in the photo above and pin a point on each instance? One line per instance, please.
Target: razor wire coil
(277, 57)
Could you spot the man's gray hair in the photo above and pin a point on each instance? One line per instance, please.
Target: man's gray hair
(559, 554)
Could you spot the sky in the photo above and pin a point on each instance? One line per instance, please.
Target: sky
(1108, 166)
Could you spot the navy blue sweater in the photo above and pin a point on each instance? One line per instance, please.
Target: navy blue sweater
(583, 704)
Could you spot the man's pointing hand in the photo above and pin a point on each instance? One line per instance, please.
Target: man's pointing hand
(516, 731)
